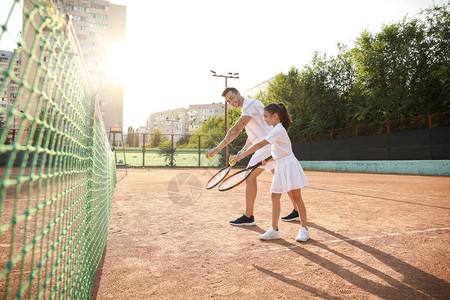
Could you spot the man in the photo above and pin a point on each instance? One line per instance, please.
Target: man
(252, 119)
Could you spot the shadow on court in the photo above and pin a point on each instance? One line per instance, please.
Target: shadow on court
(425, 285)
(98, 275)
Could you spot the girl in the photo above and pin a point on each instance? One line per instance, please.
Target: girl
(289, 176)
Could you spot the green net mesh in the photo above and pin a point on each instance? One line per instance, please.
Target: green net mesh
(58, 169)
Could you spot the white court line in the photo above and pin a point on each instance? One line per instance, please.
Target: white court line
(349, 239)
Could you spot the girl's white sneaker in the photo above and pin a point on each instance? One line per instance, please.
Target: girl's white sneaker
(271, 234)
(303, 235)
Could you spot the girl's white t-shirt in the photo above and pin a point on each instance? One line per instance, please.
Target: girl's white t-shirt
(280, 143)
(257, 129)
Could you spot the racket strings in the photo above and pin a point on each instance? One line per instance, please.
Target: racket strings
(234, 179)
(218, 178)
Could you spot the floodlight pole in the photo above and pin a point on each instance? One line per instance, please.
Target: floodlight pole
(230, 75)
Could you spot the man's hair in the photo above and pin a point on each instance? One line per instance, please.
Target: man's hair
(230, 89)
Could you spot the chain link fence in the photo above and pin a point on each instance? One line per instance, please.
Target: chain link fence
(168, 150)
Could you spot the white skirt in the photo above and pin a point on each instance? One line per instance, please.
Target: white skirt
(289, 175)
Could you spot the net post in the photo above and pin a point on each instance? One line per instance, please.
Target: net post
(143, 150)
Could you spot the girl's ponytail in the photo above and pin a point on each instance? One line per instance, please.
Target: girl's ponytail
(281, 110)
(285, 117)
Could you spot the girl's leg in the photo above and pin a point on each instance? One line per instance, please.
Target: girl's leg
(292, 199)
(297, 198)
(276, 210)
(289, 194)
(274, 230)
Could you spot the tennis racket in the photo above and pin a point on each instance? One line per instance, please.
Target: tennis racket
(218, 177)
(239, 177)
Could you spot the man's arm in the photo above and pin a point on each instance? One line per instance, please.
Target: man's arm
(231, 135)
(247, 145)
(249, 151)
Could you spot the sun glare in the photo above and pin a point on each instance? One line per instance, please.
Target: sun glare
(118, 70)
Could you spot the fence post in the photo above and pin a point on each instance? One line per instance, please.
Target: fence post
(356, 131)
(171, 152)
(430, 122)
(388, 128)
(331, 134)
(143, 150)
(199, 150)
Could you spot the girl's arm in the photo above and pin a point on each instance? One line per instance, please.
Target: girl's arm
(252, 149)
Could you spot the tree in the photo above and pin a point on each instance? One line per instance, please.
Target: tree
(183, 142)
(4, 131)
(132, 139)
(316, 96)
(286, 89)
(403, 70)
(261, 96)
(157, 138)
(213, 131)
(167, 151)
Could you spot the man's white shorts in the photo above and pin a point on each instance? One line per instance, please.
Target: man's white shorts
(261, 154)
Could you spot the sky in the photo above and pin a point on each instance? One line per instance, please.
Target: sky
(171, 45)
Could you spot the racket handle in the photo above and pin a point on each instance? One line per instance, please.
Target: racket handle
(268, 158)
(261, 161)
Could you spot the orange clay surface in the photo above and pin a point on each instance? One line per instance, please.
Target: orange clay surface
(372, 237)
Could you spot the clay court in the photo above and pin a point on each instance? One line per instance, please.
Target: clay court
(372, 236)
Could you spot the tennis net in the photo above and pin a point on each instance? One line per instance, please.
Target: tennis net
(58, 171)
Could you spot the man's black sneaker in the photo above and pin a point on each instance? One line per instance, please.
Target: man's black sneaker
(243, 221)
(293, 216)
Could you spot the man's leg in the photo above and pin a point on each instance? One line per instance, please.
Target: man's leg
(251, 190)
(251, 187)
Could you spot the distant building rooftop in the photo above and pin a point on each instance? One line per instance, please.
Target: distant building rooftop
(263, 86)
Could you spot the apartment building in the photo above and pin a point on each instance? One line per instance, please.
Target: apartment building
(174, 121)
(99, 24)
(183, 121)
(199, 113)
(8, 92)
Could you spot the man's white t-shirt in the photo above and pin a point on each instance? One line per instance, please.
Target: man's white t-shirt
(280, 143)
(257, 129)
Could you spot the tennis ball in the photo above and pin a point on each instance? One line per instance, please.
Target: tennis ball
(208, 157)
